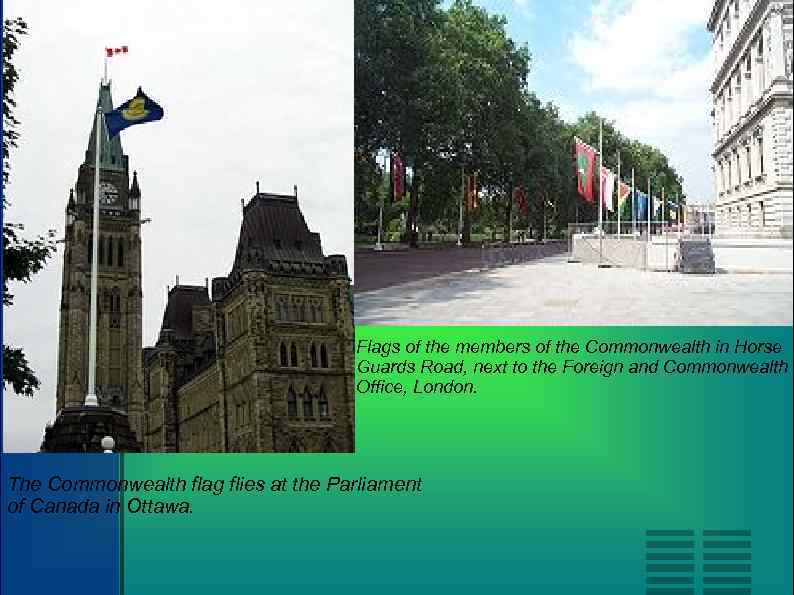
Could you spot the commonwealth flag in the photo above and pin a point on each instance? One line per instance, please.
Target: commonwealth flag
(138, 110)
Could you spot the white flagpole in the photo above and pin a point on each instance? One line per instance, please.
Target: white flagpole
(633, 212)
(650, 207)
(460, 206)
(618, 185)
(600, 181)
(379, 245)
(90, 398)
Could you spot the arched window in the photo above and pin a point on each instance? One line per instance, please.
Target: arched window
(322, 404)
(284, 360)
(101, 253)
(292, 403)
(295, 446)
(328, 446)
(293, 356)
(323, 356)
(313, 354)
(90, 249)
(120, 260)
(308, 406)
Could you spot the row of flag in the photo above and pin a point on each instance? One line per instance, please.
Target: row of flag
(585, 158)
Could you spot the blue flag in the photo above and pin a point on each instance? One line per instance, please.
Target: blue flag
(641, 205)
(138, 110)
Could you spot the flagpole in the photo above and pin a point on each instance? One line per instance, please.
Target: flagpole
(379, 245)
(650, 208)
(618, 195)
(600, 191)
(91, 398)
(633, 212)
(460, 206)
(664, 233)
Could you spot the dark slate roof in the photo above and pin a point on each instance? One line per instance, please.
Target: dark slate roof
(273, 228)
(178, 316)
(112, 154)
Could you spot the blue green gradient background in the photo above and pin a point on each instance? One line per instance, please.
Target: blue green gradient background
(540, 485)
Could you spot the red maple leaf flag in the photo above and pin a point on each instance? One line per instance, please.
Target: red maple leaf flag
(110, 52)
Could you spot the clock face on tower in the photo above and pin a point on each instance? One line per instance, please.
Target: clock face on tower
(108, 195)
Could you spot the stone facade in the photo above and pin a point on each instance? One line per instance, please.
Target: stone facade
(752, 115)
(119, 376)
(266, 363)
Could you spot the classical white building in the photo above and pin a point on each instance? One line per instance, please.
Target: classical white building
(752, 116)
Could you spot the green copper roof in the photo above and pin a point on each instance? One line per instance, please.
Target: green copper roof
(112, 156)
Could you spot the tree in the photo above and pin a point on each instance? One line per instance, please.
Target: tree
(22, 257)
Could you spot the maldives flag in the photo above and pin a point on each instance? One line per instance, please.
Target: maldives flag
(607, 187)
(585, 163)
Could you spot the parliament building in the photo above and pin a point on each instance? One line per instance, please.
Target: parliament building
(260, 361)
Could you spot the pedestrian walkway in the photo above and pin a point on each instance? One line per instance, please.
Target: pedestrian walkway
(554, 292)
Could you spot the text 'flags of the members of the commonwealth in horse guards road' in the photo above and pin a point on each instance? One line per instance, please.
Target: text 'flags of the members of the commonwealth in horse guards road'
(584, 155)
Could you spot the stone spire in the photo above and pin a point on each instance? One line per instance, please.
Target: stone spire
(113, 156)
(135, 191)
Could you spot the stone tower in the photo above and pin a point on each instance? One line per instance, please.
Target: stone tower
(119, 369)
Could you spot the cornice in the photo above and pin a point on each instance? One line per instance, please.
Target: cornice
(749, 119)
(731, 57)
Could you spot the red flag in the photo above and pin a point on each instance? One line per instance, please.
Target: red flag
(109, 52)
(584, 155)
(124, 49)
(520, 198)
(472, 200)
(397, 177)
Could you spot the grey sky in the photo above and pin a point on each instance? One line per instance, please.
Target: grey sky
(251, 91)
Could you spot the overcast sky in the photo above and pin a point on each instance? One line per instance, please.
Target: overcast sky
(251, 91)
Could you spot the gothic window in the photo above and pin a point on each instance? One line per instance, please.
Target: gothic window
(120, 260)
(115, 308)
(295, 446)
(308, 406)
(282, 308)
(761, 154)
(293, 356)
(90, 248)
(328, 445)
(313, 354)
(283, 353)
(322, 404)
(323, 356)
(748, 157)
(101, 253)
(292, 403)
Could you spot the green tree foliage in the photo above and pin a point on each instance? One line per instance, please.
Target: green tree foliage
(22, 257)
(447, 88)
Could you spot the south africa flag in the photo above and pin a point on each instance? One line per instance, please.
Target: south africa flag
(585, 162)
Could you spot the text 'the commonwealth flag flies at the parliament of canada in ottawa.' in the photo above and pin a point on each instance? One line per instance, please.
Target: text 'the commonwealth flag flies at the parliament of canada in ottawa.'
(138, 110)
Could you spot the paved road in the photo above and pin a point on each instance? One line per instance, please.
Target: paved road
(555, 292)
(376, 270)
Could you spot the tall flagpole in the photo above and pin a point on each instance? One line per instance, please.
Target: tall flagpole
(650, 207)
(90, 398)
(379, 245)
(600, 190)
(460, 206)
(618, 184)
(664, 233)
(633, 212)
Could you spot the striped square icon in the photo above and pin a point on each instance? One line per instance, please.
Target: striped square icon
(674, 556)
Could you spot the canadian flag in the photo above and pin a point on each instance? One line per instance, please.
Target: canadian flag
(110, 52)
